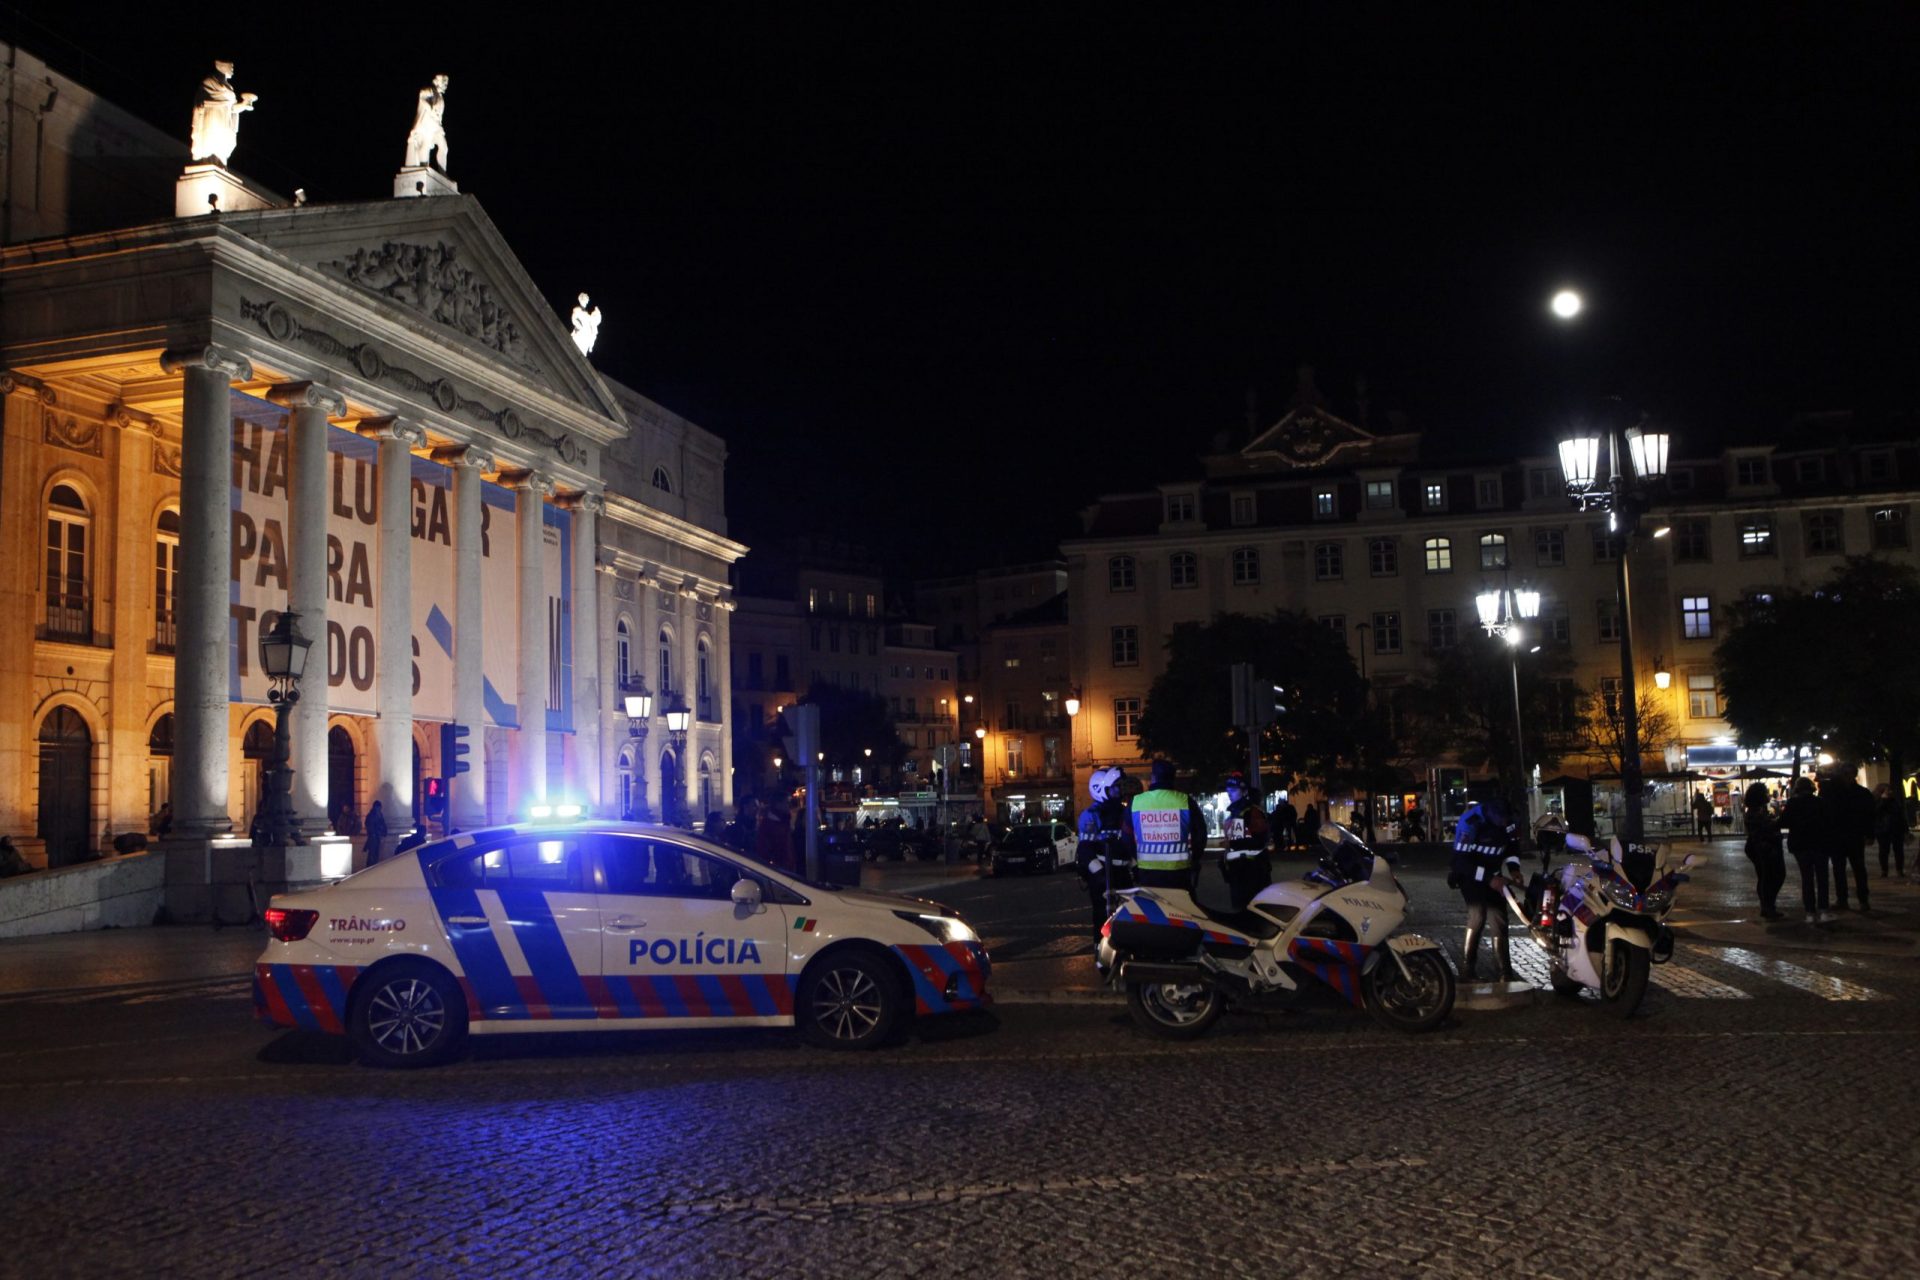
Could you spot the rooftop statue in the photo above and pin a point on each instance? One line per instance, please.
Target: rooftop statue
(586, 327)
(216, 116)
(429, 133)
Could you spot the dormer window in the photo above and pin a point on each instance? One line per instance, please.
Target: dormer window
(1809, 470)
(1245, 512)
(1433, 496)
(1750, 471)
(1877, 465)
(1379, 495)
(1180, 507)
(1486, 492)
(1326, 504)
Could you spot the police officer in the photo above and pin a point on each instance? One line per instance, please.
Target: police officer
(1244, 865)
(1104, 856)
(1483, 839)
(1169, 832)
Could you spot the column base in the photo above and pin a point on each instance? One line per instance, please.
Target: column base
(214, 188)
(423, 180)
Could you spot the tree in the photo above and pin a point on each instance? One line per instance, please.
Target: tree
(1602, 733)
(1463, 708)
(1767, 667)
(1188, 715)
(851, 722)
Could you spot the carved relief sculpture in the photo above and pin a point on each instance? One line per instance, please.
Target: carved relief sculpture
(431, 278)
(586, 327)
(216, 116)
(427, 140)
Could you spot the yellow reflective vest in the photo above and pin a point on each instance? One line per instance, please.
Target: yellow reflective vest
(1162, 831)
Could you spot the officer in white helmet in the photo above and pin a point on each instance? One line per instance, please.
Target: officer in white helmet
(1105, 854)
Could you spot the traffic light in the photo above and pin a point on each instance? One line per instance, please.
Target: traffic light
(1256, 702)
(436, 797)
(453, 751)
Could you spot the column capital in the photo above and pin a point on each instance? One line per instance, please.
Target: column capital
(391, 428)
(211, 356)
(529, 481)
(587, 504)
(309, 395)
(128, 418)
(464, 455)
(11, 381)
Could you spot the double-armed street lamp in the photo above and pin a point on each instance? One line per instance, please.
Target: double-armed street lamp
(639, 718)
(678, 717)
(283, 656)
(1504, 613)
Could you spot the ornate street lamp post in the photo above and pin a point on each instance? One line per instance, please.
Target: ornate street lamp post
(678, 717)
(1503, 614)
(639, 717)
(283, 656)
(1623, 490)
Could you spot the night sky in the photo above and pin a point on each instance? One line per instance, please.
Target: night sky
(942, 274)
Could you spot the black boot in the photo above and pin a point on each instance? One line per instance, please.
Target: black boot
(1472, 970)
(1506, 958)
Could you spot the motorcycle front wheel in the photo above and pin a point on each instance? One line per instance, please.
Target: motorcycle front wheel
(1174, 1011)
(1623, 985)
(1419, 999)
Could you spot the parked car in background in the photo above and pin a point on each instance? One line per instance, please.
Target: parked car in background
(1034, 847)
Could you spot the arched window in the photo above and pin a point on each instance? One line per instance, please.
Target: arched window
(666, 663)
(160, 767)
(166, 580)
(1493, 551)
(623, 652)
(662, 481)
(1439, 555)
(628, 770)
(707, 797)
(702, 688)
(69, 595)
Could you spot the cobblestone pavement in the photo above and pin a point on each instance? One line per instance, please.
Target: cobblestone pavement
(152, 1129)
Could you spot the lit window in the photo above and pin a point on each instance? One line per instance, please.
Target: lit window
(1696, 617)
(1433, 496)
(1126, 646)
(69, 594)
(1439, 555)
(1380, 495)
(1325, 504)
(1756, 535)
(166, 580)
(1328, 560)
(1246, 566)
(1703, 698)
(1183, 569)
(1383, 557)
(1120, 573)
(1493, 551)
(1889, 528)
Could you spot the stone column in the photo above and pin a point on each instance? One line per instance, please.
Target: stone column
(307, 479)
(723, 694)
(203, 650)
(588, 699)
(393, 636)
(133, 532)
(530, 742)
(23, 402)
(469, 633)
(611, 715)
(688, 678)
(646, 608)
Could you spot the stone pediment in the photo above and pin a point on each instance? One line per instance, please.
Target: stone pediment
(442, 261)
(1310, 437)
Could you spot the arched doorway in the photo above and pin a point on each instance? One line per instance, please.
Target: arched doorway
(706, 787)
(671, 801)
(629, 790)
(256, 755)
(160, 765)
(66, 786)
(342, 791)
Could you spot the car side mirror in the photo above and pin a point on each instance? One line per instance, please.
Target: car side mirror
(746, 893)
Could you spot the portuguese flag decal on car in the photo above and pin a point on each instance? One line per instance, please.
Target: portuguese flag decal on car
(805, 923)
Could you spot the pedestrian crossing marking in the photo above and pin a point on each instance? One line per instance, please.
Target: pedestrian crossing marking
(1823, 985)
(1690, 984)
(1698, 973)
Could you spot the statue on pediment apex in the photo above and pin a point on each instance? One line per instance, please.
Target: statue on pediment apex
(216, 117)
(586, 327)
(427, 140)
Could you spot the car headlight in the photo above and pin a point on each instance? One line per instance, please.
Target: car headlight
(945, 928)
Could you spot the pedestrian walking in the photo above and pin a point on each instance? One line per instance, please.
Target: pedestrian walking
(1847, 808)
(1702, 815)
(1890, 829)
(1169, 832)
(375, 828)
(1803, 821)
(1763, 850)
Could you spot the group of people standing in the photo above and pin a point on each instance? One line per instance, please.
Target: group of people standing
(1827, 833)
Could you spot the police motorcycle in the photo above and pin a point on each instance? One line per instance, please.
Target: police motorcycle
(1181, 964)
(1601, 922)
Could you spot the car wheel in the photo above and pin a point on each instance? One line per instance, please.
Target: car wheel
(409, 1014)
(848, 1000)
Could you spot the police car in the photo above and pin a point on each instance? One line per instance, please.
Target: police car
(601, 926)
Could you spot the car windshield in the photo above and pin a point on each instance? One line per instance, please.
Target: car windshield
(1028, 837)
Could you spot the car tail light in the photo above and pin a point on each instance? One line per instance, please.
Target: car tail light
(1547, 904)
(290, 924)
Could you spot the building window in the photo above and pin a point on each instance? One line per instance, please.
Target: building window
(1336, 623)
(1696, 617)
(1606, 546)
(1877, 465)
(662, 481)
(1549, 548)
(1016, 755)
(782, 673)
(813, 639)
(703, 688)
(1544, 482)
(1126, 717)
(1383, 557)
(1120, 573)
(756, 673)
(1246, 566)
(1486, 492)
(1439, 555)
(1555, 625)
(166, 580)
(1442, 629)
(666, 660)
(1380, 495)
(1809, 470)
(833, 641)
(69, 599)
(1703, 698)
(1183, 569)
(1050, 755)
(1386, 633)
(1824, 533)
(870, 604)
(1493, 551)
(1179, 507)
(1691, 541)
(813, 599)
(623, 655)
(1327, 561)
(1609, 613)
(1326, 504)
(1680, 479)
(1756, 536)
(1610, 694)
(1890, 528)
(1126, 646)
(1244, 509)
(1433, 496)
(1750, 471)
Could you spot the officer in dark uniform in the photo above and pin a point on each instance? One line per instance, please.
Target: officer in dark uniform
(1244, 864)
(1483, 839)
(1104, 856)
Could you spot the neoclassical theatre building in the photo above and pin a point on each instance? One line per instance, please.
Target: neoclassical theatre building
(221, 403)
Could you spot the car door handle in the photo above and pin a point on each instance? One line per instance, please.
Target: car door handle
(466, 920)
(625, 924)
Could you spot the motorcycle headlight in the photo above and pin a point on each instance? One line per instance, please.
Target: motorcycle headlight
(1658, 901)
(945, 928)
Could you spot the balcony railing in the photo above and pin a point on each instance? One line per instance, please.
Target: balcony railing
(69, 618)
(708, 709)
(164, 628)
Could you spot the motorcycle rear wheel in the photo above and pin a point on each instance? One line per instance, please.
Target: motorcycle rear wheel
(1623, 984)
(1419, 999)
(1563, 985)
(1174, 1011)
